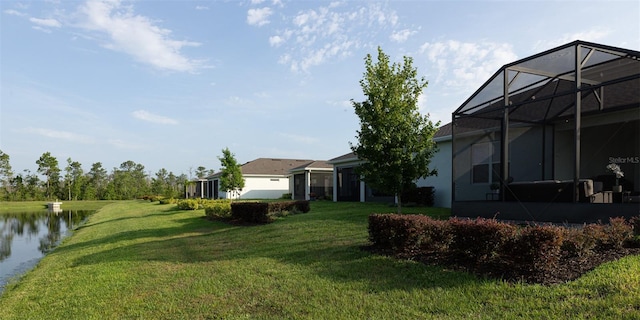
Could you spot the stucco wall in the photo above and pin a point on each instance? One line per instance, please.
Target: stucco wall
(266, 187)
(441, 161)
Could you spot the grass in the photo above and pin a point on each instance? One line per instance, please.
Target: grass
(137, 260)
(30, 206)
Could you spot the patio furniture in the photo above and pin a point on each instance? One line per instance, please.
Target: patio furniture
(554, 191)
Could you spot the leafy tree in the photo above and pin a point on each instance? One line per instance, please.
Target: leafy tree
(97, 179)
(159, 183)
(74, 178)
(48, 166)
(231, 179)
(6, 175)
(201, 172)
(32, 186)
(395, 141)
(128, 182)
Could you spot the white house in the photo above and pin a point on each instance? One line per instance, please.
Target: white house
(265, 178)
(349, 187)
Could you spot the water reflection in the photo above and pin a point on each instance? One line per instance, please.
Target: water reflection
(26, 237)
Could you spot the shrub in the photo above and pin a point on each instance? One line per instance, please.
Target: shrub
(480, 239)
(168, 201)
(250, 212)
(188, 204)
(536, 248)
(577, 243)
(617, 232)
(218, 209)
(635, 224)
(408, 234)
(286, 196)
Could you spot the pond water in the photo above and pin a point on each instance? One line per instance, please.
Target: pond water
(25, 237)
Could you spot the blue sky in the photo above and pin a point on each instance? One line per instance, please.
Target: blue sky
(169, 84)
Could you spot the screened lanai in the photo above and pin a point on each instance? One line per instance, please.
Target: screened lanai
(544, 132)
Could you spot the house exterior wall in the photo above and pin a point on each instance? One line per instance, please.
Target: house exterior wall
(261, 187)
(441, 161)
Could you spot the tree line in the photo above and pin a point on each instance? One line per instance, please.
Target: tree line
(128, 181)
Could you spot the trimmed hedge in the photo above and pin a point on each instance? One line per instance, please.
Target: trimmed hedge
(485, 243)
(263, 212)
(218, 209)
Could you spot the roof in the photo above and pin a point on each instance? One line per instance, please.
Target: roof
(269, 166)
(351, 156)
(542, 88)
(313, 165)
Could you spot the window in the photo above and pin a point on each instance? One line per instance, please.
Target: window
(485, 162)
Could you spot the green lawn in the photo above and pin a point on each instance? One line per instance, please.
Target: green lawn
(137, 260)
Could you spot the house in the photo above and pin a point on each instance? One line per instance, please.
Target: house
(349, 187)
(545, 129)
(441, 162)
(196, 188)
(312, 180)
(265, 178)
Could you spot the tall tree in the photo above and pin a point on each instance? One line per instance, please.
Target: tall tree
(395, 141)
(6, 176)
(73, 178)
(48, 166)
(96, 182)
(159, 183)
(231, 179)
(201, 172)
(128, 182)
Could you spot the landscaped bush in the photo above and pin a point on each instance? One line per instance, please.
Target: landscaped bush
(218, 209)
(250, 212)
(293, 206)
(479, 239)
(534, 249)
(577, 243)
(168, 201)
(488, 246)
(188, 204)
(408, 233)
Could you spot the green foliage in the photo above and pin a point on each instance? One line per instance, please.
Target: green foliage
(395, 141)
(231, 179)
(6, 176)
(286, 196)
(218, 209)
(48, 166)
(127, 182)
(250, 212)
(526, 252)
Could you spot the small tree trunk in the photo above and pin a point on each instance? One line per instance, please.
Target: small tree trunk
(399, 197)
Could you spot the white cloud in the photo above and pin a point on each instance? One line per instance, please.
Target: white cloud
(275, 41)
(62, 135)
(315, 36)
(402, 35)
(149, 117)
(39, 28)
(465, 64)
(53, 23)
(137, 35)
(258, 17)
(593, 35)
(14, 13)
(202, 8)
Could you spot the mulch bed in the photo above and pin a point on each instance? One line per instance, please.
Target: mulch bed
(566, 270)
